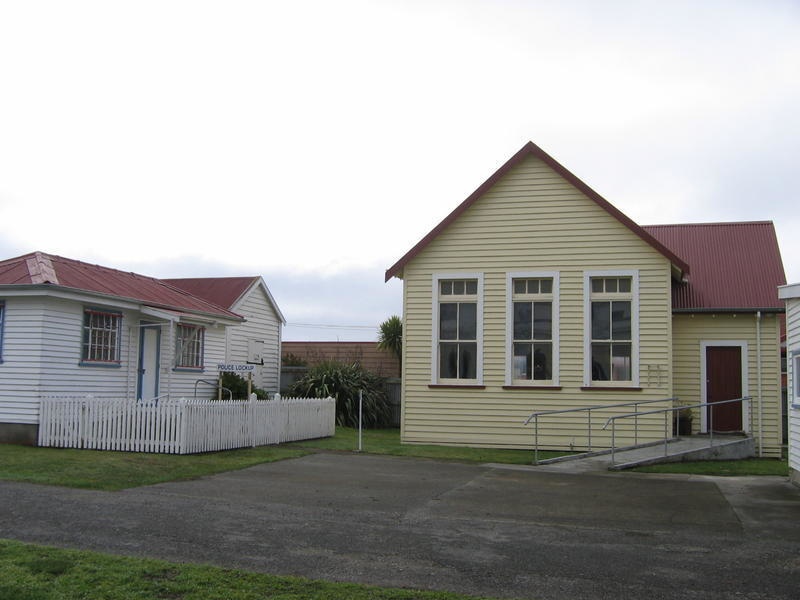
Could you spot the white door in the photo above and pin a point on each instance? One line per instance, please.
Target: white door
(149, 349)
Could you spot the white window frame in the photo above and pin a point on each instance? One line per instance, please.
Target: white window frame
(633, 274)
(86, 337)
(179, 347)
(704, 344)
(555, 375)
(435, 283)
(2, 325)
(794, 390)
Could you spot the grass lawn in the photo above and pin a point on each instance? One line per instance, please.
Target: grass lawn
(31, 572)
(387, 441)
(102, 470)
(750, 466)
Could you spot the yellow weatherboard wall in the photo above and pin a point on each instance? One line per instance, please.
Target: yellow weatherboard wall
(532, 219)
(689, 331)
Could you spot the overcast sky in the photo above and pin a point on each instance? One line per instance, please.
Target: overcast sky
(314, 143)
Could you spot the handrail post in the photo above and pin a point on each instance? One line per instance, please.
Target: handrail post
(536, 440)
(666, 421)
(636, 424)
(710, 409)
(613, 440)
(589, 412)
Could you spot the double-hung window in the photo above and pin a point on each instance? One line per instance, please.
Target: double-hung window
(458, 329)
(612, 328)
(189, 340)
(532, 328)
(2, 320)
(795, 389)
(101, 337)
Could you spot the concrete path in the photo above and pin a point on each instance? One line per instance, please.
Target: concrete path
(435, 525)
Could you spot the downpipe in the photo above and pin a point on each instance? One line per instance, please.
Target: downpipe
(760, 399)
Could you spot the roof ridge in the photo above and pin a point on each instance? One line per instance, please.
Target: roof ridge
(41, 269)
(710, 224)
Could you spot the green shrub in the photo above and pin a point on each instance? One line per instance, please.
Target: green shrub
(343, 382)
(238, 386)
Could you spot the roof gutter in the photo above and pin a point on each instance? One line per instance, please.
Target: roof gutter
(750, 309)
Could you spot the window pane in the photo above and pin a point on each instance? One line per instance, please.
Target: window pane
(621, 362)
(601, 362)
(542, 361)
(467, 321)
(467, 360)
(448, 320)
(621, 320)
(446, 288)
(448, 360)
(523, 318)
(597, 285)
(547, 286)
(611, 285)
(458, 288)
(519, 286)
(522, 361)
(472, 287)
(625, 285)
(601, 320)
(796, 377)
(542, 321)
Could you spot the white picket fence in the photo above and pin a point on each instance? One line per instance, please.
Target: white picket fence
(182, 426)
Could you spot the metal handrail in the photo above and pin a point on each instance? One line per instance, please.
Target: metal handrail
(535, 416)
(215, 384)
(613, 420)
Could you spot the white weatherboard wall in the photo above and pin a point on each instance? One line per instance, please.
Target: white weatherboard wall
(791, 294)
(263, 324)
(42, 338)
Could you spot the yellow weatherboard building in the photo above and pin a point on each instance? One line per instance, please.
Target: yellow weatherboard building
(536, 294)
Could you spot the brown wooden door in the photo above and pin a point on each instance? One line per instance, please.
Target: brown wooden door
(724, 382)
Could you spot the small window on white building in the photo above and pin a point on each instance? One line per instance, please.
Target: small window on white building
(796, 378)
(101, 337)
(189, 341)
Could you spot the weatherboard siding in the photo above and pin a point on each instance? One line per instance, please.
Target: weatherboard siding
(262, 324)
(691, 330)
(530, 220)
(793, 346)
(19, 372)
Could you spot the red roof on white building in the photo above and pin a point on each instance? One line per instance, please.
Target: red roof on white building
(38, 268)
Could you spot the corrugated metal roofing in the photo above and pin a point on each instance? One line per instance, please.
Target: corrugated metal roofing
(41, 268)
(224, 291)
(733, 265)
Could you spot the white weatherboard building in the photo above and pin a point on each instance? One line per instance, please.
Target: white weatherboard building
(791, 294)
(69, 328)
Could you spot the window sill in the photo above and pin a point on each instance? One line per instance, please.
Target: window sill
(531, 387)
(456, 386)
(102, 365)
(608, 388)
(188, 369)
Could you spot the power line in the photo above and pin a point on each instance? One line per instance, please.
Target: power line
(328, 326)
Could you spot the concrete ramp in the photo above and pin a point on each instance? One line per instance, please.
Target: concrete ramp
(676, 450)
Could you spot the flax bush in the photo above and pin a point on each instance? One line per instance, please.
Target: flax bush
(343, 382)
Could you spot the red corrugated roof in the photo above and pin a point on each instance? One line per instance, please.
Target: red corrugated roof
(41, 268)
(224, 291)
(734, 265)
